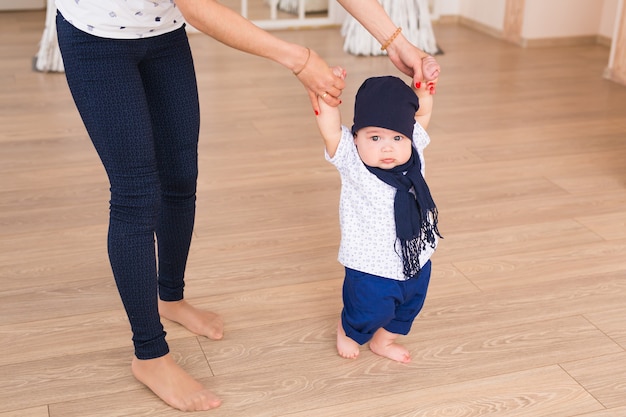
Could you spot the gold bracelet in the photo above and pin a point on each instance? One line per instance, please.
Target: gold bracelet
(296, 73)
(395, 35)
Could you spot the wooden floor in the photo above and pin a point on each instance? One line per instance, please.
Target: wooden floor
(527, 308)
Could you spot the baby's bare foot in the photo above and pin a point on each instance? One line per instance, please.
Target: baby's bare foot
(392, 351)
(346, 347)
(383, 344)
(204, 323)
(173, 385)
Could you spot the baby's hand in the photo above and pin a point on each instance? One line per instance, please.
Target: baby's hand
(430, 72)
(339, 72)
(430, 68)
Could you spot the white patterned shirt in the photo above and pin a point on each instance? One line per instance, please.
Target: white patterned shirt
(366, 212)
(122, 19)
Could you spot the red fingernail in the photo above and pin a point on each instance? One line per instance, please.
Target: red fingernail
(317, 113)
(418, 84)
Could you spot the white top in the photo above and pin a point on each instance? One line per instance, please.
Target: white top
(366, 213)
(122, 19)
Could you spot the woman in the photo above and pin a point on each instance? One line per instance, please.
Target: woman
(131, 74)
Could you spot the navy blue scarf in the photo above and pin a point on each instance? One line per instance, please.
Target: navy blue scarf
(414, 208)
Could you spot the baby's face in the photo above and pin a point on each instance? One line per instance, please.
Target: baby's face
(382, 148)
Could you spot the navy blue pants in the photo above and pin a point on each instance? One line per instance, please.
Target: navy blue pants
(371, 302)
(138, 100)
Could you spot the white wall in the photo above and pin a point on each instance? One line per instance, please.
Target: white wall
(561, 18)
(448, 7)
(607, 21)
(542, 18)
(22, 4)
(486, 12)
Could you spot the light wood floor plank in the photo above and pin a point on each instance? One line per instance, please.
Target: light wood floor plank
(540, 266)
(612, 412)
(603, 376)
(515, 394)
(611, 322)
(41, 411)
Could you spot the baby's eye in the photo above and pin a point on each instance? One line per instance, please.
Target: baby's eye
(397, 138)
(375, 138)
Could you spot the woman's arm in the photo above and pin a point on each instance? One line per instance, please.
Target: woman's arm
(402, 53)
(232, 29)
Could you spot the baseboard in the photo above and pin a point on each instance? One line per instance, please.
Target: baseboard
(447, 19)
(614, 76)
(562, 41)
(538, 42)
(604, 41)
(480, 27)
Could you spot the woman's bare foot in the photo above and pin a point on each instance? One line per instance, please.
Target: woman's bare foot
(204, 323)
(383, 344)
(173, 385)
(346, 347)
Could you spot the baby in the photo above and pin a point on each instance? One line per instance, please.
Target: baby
(387, 215)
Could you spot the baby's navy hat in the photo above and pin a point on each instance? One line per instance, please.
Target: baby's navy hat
(385, 102)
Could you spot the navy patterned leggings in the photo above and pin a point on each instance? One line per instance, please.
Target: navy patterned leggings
(138, 100)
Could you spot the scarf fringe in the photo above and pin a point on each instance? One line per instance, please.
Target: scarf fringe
(411, 249)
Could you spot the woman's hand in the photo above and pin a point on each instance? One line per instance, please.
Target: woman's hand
(412, 61)
(321, 81)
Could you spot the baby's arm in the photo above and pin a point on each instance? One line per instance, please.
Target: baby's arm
(329, 121)
(425, 93)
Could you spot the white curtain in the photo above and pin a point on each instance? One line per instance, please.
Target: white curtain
(48, 58)
(310, 6)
